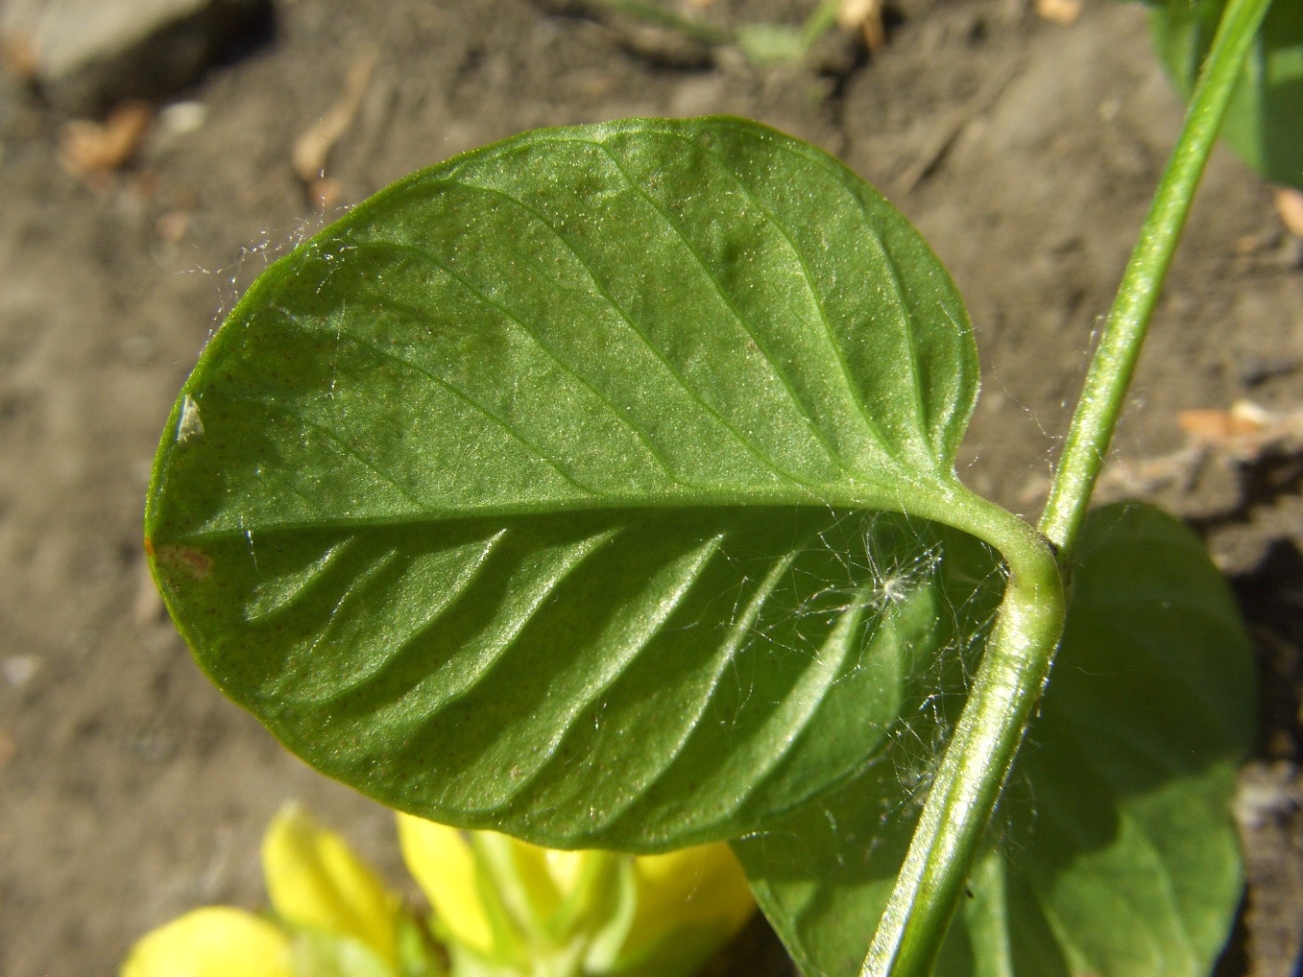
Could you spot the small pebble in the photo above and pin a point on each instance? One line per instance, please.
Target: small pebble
(182, 118)
(138, 349)
(1264, 796)
(19, 669)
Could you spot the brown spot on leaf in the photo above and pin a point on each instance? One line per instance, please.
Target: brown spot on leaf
(174, 556)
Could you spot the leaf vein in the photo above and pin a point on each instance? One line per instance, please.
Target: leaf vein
(871, 425)
(357, 456)
(470, 401)
(664, 612)
(906, 318)
(724, 297)
(747, 445)
(741, 628)
(604, 398)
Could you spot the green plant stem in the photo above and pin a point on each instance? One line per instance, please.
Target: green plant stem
(977, 761)
(1114, 362)
(1018, 656)
(986, 914)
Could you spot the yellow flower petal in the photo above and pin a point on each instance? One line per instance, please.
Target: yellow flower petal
(315, 880)
(565, 867)
(441, 862)
(214, 942)
(702, 887)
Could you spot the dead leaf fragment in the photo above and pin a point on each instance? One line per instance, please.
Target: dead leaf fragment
(18, 57)
(1216, 440)
(96, 149)
(865, 18)
(1246, 431)
(189, 425)
(182, 119)
(312, 149)
(1063, 12)
(950, 128)
(1211, 426)
(1289, 204)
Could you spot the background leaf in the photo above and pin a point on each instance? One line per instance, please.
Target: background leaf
(544, 491)
(1264, 124)
(1115, 853)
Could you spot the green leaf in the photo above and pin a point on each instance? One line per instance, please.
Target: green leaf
(1115, 854)
(580, 487)
(1263, 122)
(766, 44)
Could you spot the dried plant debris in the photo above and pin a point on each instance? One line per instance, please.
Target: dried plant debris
(864, 17)
(658, 33)
(649, 31)
(311, 151)
(94, 150)
(1238, 437)
(1234, 438)
(1245, 432)
(1289, 204)
(1063, 12)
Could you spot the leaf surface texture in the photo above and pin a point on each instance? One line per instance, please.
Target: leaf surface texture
(580, 487)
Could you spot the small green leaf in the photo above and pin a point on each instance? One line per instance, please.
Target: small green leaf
(579, 487)
(765, 44)
(1115, 854)
(1264, 124)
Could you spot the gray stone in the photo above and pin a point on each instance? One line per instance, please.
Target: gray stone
(86, 55)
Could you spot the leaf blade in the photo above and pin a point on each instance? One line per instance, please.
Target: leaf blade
(460, 484)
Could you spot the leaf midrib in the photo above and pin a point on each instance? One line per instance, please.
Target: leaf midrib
(932, 500)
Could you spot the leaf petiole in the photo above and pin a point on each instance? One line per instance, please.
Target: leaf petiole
(973, 771)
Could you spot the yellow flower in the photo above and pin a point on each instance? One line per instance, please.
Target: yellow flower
(689, 904)
(216, 941)
(315, 881)
(505, 908)
(441, 862)
(332, 915)
(508, 907)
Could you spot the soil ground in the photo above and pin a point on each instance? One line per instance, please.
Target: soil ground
(1026, 151)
